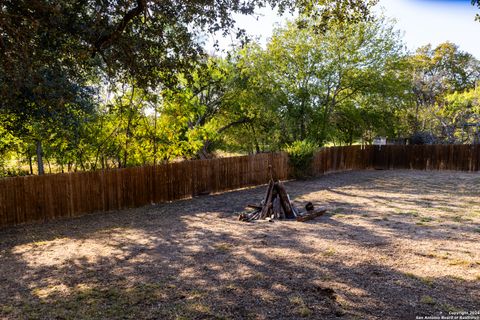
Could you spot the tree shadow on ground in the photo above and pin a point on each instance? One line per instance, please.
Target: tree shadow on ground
(191, 259)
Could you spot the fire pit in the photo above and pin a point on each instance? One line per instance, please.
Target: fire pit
(277, 205)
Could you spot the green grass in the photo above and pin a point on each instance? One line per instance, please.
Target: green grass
(223, 247)
(458, 278)
(411, 213)
(329, 252)
(427, 300)
(426, 219)
(459, 262)
(141, 301)
(446, 209)
(6, 309)
(457, 218)
(300, 306)
(449, 308)
(474, 214)
(425, 280)
(344, 216)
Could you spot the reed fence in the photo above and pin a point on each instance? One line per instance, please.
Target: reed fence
(40, 198)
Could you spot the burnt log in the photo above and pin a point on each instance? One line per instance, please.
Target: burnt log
(276, 204)
(310, 215)
(267, 203)
(285, 201)
(278, 211)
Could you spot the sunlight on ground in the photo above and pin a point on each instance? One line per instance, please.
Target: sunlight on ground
(399, 242)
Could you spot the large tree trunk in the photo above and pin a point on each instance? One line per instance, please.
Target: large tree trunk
(41, 170)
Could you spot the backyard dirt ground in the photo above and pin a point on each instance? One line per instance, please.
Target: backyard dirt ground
(394, 245)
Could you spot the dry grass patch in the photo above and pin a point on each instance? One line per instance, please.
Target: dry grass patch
(396, 243)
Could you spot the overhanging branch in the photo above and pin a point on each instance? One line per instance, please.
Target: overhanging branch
(106, 40)
(234, 123)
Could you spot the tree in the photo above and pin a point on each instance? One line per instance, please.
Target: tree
(317, 74)
(54, 107)
(249, 121)
(149, 41)
(477, 3)
(437, 72)
(343, 84)
(459, 117)
(196, 102)
(53, 52)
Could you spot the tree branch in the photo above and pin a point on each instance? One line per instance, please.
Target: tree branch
(106, 40)
(234, 123)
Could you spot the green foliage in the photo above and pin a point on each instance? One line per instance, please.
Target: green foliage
(344, 84)
(96, 93)
(55, 58)
(437, 73)
(300, 156)
(148, 41)
(459, 117)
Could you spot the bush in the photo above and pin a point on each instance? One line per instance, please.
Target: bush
(11, 172)
(300, 154)
(422, 137)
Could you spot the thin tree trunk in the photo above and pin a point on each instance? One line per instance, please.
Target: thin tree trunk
(155, 138)
(128, 132)
(41, 170)
(416, 124)
(30, 163)
(302, 121)
(257, 146)
(119, 159)
(49, 166)
(125, 156)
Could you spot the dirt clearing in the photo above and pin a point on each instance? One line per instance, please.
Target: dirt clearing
(395, 245)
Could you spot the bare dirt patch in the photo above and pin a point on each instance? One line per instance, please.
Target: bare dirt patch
(395, 245)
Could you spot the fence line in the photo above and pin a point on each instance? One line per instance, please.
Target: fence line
(336, 159)
(427, 157)
(39, 198)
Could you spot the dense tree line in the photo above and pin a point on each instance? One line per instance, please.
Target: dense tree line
(98, 84)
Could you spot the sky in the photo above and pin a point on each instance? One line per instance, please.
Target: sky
(421, 21)
(430, 21)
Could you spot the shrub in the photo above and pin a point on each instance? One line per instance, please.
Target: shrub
(422, 137)
(300, 154)
(11, 172)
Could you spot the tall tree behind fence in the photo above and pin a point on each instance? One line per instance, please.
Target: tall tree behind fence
(39, 198)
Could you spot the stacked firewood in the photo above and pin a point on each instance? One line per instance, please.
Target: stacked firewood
(277, 205)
